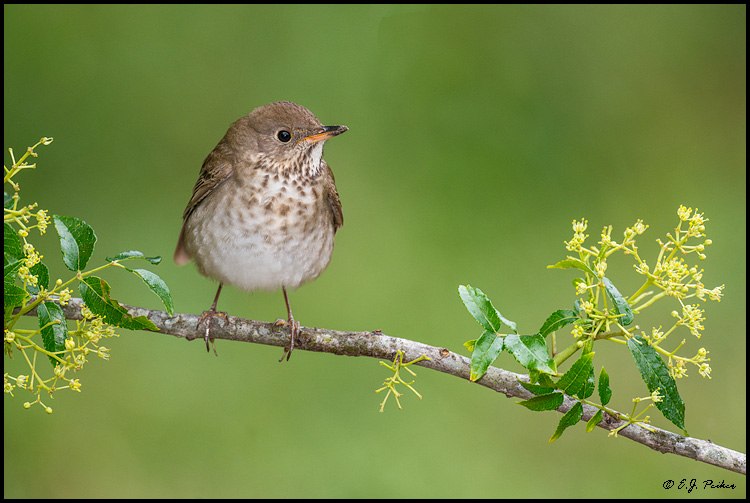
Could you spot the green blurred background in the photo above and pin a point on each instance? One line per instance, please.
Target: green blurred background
(477, 134)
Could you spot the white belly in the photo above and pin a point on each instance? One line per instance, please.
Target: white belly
(250, 245)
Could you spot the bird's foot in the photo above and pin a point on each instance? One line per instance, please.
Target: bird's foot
(294, 329)
(207, 316)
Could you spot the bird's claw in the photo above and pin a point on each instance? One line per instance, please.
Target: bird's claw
(209, 315)
(294, 329)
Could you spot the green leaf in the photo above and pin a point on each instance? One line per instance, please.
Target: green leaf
(95, 293)
(549, 401)
(531, 352)
(656, 376)
(536, 388)
(76, 241)
(156, 285)
(595, 419)
(470, 345)
(486, 351)
(534, 375)
(42, 273)
(482, 309)
(569, 419)
(621, 305)
(588, 387)
(588, 346)
(133, 254)
(10, 271)
(575, 378)
(571, 262)
(12, 246)
(545, 380)
(54, 335)
(7, 200)
(604, 392)
(13, 296)
(558, 320)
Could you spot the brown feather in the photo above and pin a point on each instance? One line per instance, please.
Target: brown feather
(216, 169)
(333, 196)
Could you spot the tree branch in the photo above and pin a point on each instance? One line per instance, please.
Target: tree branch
(378, 345)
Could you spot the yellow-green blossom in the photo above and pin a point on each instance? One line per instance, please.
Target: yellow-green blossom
(714, 294)
(42, 221)
(684, 213)
(21, 381)
(578, 237)
(692, 316)
(678, 369)
(641, 268)
(577, 331)
(64, 297)
(600, 268)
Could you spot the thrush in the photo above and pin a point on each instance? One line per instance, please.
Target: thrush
(265, 208)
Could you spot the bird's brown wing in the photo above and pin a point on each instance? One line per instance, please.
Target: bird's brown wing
(216, 169)
(333, 197)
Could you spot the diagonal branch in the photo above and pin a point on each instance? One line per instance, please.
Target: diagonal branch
(378, 345)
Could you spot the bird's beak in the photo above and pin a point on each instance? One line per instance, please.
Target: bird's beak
(327, 132)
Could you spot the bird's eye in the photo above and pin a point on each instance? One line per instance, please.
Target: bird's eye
(284, 136)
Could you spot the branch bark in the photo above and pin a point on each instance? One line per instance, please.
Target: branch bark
(378, 345)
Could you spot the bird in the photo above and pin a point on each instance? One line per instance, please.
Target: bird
(265, 209)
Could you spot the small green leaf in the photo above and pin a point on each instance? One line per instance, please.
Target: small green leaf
(534, 375)
(133, 254)
(621, 305)
(558, 320)
(604, 392)
(588, 346)
(575, 378)
(482, 309)
(470, 345)
(76, 241)
(55, 334)
(486, 351)
(536, 388)
(595, 419)
(569, 419)
(13, 296)
(588, 387)
(156, 285)
(656, 376)
(95, 293)
(549, 401)
(12, 246)
(546, 380)
(571, 262)
(531, 352)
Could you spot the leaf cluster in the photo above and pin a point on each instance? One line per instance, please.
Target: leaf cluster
(26, 282)
(533, 353)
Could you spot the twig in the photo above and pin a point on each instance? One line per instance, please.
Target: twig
(378, 345)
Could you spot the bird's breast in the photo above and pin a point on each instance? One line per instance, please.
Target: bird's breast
(275, 232)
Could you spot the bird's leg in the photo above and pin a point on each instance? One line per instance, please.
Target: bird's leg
(293, 327)
(208, 315)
